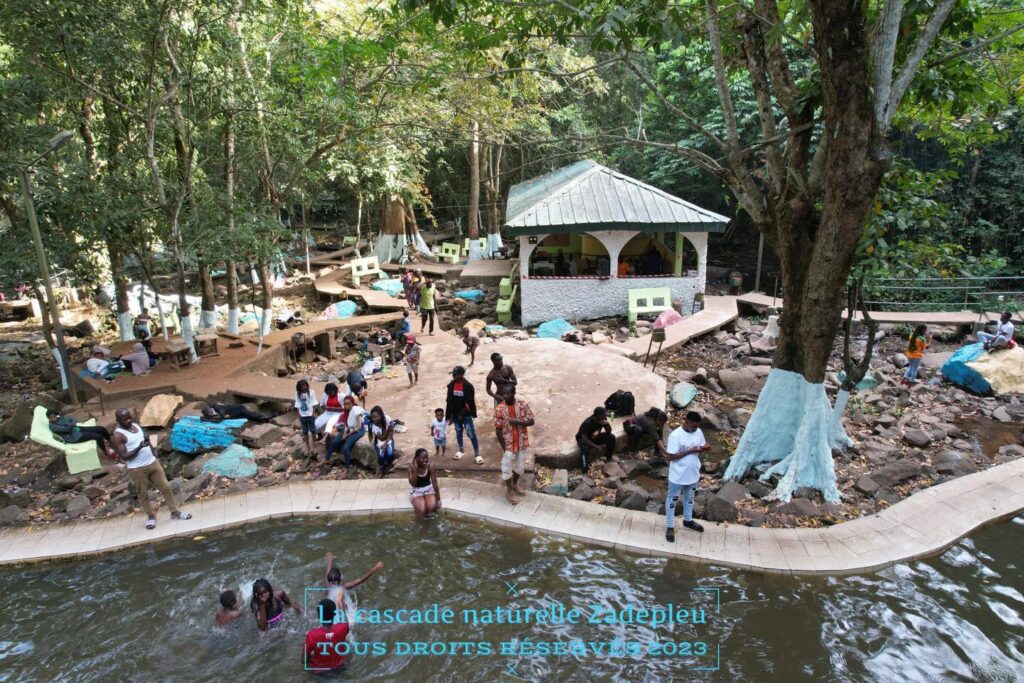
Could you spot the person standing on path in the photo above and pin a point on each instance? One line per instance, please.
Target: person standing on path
(412, 359)
(685, 444)
(460, 410)
(427, 292)
(503, 377)
(132, 447)
(512, 418)
(919, 341)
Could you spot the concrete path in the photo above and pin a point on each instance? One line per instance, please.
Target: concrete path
(718, 311)
(922, 525)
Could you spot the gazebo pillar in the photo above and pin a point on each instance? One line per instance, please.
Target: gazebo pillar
(678, 267)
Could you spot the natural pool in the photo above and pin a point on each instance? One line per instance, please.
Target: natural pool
(147, 614)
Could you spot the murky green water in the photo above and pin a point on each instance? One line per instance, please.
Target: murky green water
(148, 614)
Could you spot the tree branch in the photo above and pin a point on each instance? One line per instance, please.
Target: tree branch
(721, 81)
(883, 54)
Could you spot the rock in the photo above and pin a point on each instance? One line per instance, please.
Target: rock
(560, 482)
(741, 381)
(635, 467)
(700, 376)
(288, 419)
(93, 492)
(681, 395)
(799, 507)
(260, 435)
(758, 489)
(583, 492)
(78, 506)
(631, 496)
(917, 437)
(194, 409)
(1011, 450)
(896, 472)
(599, 338)
(732, 492)
(739, 417)
(68, 482)
(953, 462)
(13, 515)
(885, 494)
(19, 424)
(1001, 414)
(159, 410)
(60, 501)
(900, 360)
(613, 469)
(866, 485)
(186, 489)
(718, 509)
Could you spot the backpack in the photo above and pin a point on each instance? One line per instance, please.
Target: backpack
(621, 403)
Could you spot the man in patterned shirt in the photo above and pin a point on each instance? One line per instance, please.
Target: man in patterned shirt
(512, 417)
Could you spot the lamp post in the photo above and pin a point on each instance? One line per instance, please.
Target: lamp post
(56, 142)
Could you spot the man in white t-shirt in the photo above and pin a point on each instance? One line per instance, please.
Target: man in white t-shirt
(1003, 336)
(685, 444)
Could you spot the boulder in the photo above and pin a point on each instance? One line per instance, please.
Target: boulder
(1012, 450)
(732, 492)
(19, 424)
(681, 395)
(288, 419)
(159, 410)
(958, 370)
(635, 467)
(917, 437)
(900, 360)
(13, 515)
(560, 482)
(866, 485)
(758, 489)
(799, 507)
(741, 381)
(186, 489)
(583, 492)
(1001, 414)
(897, 472)
(720, 510)
(950, 461)
(885, 494)
(78, 506)
(260, 435)
(631, 497)
(93, 492)
(599, 338)
(739, 417)
(364, 454)
(613, 469)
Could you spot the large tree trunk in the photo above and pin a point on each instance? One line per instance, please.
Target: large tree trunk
(232, 286)
(791, 423)
(492, 192)
(121, 300)
(266, 298)
(413, 237)
(208, 305)
(391, 243)
(474, 193)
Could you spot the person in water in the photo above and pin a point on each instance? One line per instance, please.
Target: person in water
(228, 612)
(325, 645)
(268, 605)
(336, 587)
(425, 494)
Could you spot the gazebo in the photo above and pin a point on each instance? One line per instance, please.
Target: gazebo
(588, 234)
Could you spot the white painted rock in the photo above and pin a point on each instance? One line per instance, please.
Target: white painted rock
(160, 409)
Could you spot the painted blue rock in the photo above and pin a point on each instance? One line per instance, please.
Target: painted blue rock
(235, 462)
(470, 294)
(958, 372)
(554, 329)
(192, 435)
(392, 286)
(681, 395)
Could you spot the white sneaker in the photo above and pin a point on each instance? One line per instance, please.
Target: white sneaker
(458, 455)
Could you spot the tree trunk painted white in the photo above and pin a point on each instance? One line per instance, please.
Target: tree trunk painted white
(188, 336)
(790, 428)
(61, 369)
(124, 326)
(475, 252)
(163, 319)
(772, 329)
(233, 321)
(390, 248)
(266, 318)
(207, 319)
(494, 244)
(838, 439)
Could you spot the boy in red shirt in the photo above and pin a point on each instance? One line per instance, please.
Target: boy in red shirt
(325, 645)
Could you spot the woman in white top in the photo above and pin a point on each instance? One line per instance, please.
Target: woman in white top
(382, 436)
(346, 434)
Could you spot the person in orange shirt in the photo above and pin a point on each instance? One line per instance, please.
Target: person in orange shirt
(919, 341)
(512, 417)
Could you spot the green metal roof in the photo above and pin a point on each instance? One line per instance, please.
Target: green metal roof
(588, 196)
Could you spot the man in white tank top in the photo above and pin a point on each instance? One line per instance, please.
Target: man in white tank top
(132, 448)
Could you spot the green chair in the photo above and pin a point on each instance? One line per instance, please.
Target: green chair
(449, 252)
(506, 284)
(81, 457)
(649, 300)
(504, 307)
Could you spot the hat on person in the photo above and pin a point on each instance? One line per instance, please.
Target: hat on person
(459, 370)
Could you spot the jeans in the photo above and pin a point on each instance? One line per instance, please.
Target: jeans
(425, 314)
(346, 444)
(911, 373)
(674, 491)
(385, 454)
(467, 424)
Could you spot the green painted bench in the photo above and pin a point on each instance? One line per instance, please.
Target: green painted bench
(81, 457)
(449, 252)
(368, 267)
(465, 246)
(504, 307)
(649, 300)
(348, 241)
(506, 284)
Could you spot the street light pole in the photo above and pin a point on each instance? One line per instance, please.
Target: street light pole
(44, 271)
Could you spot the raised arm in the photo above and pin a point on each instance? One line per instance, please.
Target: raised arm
(330, 565)
(362, 579)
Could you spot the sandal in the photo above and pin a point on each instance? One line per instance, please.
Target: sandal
(151, 523)
(180, 515)
(479, 460)
(458, 455)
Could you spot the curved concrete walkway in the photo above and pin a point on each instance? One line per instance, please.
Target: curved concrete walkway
(922, 525)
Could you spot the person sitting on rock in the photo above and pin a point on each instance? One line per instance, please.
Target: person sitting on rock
(1003, 338)
(595, 436)
(646, 432)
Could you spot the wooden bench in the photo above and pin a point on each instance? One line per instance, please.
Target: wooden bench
(504, 307)
(206, 344)
(368, 267)
(507, 283)
(649, 300)
(465, 246)
(449, 252)
(80, 457)
(348, 241)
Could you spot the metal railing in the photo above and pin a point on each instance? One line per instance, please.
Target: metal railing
(976, 294)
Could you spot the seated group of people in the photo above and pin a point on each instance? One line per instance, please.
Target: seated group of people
(595, 437)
